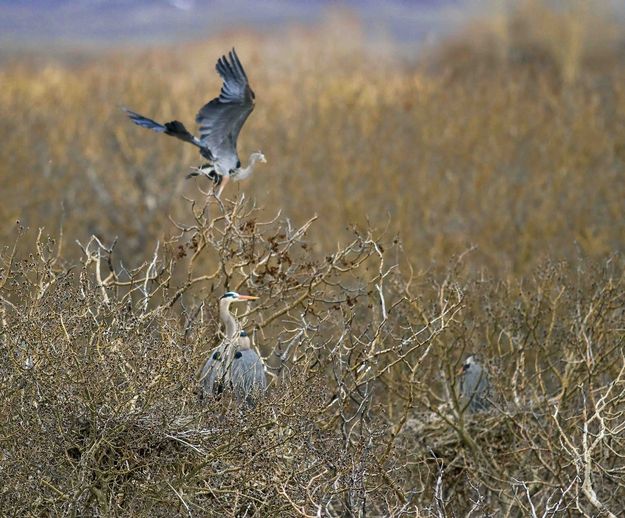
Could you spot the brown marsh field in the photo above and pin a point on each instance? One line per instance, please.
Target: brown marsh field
(411, 211)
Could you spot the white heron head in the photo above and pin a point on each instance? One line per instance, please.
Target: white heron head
(469, 361)
(258, 156)
(472, 364)
(232, 296)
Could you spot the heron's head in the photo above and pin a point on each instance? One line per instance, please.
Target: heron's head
(258, 157)
(232, 296)
(471, 363)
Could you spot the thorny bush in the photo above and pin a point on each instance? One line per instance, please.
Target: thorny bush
(102, 414)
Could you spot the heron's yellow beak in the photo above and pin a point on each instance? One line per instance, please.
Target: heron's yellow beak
(247, 297)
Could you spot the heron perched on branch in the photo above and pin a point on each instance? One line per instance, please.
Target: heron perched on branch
(234, 365)
(220, 122)
(474, 385)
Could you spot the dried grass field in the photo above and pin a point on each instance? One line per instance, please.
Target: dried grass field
(411, 212)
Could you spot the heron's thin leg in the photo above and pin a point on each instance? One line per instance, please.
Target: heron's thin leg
(224, 181)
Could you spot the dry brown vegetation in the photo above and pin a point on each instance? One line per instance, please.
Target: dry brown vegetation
(477, 202)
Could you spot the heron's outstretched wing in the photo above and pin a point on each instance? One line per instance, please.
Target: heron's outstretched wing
(221, 119)
(144, 122)
(173, 128)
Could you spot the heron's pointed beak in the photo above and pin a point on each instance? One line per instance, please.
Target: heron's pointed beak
(247, 297)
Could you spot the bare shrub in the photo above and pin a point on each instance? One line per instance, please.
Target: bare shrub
(100, 364)
(497, 180)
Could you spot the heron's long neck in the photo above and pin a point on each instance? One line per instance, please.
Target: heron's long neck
(232, 327)
(244, 172)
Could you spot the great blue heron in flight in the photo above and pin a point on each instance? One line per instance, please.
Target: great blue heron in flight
(234, 365)
(220, 122)
(474, 385)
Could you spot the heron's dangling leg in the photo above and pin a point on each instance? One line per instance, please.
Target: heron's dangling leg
(221, 185)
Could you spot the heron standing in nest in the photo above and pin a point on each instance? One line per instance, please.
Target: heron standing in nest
(474, 385)
(234, 365)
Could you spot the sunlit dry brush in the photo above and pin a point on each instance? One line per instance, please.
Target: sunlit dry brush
(492, 182)
(101, 369)
(100, 380)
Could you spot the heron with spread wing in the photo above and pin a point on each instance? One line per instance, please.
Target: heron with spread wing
(220, 122)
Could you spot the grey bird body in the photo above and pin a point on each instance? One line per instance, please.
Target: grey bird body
(234, 366)
(247, 374)
(212, 372)
(220, 122)
(474, 385)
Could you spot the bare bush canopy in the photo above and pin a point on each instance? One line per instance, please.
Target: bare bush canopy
(404, 222)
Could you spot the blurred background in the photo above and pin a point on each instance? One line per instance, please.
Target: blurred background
(448, 124)
(109, 22)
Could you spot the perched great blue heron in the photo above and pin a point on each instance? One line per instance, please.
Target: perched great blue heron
(234, 365)
(220, 122)
(474, 385)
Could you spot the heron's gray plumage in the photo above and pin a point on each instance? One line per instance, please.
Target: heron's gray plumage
(233, 365)
(220, 122)
(144, 122)
(474, 385)
(173, 128)
(247, 374)
(212, 371)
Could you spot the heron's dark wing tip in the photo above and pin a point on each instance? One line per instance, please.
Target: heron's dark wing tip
(132, 114)
(144, 122)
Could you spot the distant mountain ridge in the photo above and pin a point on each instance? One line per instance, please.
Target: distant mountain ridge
(110, 21)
